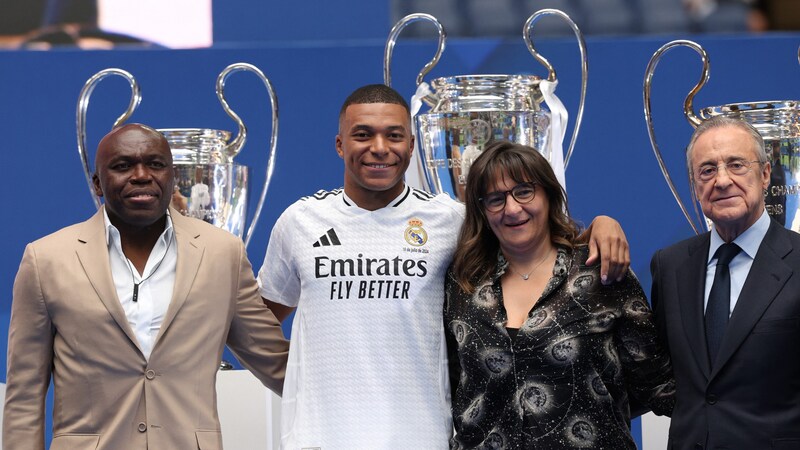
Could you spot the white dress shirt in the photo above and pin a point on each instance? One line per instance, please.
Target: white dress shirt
(155, 284)
(749, 242)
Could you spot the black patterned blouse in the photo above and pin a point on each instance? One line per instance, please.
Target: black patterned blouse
(563, 382)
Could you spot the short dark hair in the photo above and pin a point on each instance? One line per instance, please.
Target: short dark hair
(476, 252)
(374, 93)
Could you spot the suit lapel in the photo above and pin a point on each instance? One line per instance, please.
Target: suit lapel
(92, 253)
(691, 284)
(190, 253)
(767, 277)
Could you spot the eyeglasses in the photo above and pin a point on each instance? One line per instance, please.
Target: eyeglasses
(522, 193)
(738, 167)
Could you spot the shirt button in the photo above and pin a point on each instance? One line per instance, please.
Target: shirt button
(711, 399)
(142, 427)
(150, 374)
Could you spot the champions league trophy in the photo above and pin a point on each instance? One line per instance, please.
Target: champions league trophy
(468, 111)
(777, 121)
(209, 184)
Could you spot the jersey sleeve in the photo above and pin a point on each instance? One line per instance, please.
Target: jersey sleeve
(278, 278)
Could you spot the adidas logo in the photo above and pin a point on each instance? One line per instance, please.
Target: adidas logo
(327, 239)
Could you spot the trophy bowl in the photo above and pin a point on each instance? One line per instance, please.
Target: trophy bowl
(468, 111)
(208, 185)
(471, 111)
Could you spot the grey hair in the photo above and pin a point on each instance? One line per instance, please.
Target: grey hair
(722, 122)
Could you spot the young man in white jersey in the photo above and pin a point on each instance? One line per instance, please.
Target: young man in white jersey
(365, 267)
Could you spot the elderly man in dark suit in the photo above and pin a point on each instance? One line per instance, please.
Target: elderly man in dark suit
(727, 303)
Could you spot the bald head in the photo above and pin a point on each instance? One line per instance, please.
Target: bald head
(129, 132)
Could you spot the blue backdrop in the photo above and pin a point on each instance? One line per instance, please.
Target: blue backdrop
(613, 170)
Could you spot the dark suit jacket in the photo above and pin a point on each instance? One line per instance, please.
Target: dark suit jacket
(67, 323)
(751, 398)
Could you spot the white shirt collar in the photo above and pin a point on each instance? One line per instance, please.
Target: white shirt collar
(749, 241)
(396, 201)
(113, 237)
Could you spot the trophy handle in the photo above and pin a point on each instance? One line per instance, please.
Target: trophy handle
(393, 35)
(688, 112)
(551, 76)
(236, 144)
(80, 117)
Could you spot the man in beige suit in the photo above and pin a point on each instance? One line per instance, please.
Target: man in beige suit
(129, 313)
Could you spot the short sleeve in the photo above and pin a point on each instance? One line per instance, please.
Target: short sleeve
(278, 279)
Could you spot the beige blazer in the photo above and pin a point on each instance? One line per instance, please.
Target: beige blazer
(66, 322)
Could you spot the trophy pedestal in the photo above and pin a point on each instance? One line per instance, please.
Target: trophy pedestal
(249, 413)
(655, 432)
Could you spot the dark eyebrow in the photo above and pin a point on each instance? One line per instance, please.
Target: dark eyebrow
(390, 128)
(119, 158)
(129, 158)
(361, 127)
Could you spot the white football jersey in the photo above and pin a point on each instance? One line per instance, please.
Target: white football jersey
(367, 364)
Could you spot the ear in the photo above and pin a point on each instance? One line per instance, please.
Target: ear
(411, 149)
(98, 191)
(765, 174)
(339, 148)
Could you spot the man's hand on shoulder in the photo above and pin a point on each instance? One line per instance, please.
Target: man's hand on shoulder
(607, 243)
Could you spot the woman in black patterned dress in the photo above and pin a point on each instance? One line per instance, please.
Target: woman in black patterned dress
(542, 354)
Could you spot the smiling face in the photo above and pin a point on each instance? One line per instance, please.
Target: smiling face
(732, 202)
(133, 172)
(376, 144)
(520, 228)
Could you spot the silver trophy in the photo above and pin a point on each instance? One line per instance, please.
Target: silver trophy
(468, 111)
(777, 121)
(209, 184)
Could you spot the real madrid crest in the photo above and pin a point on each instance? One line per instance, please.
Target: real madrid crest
(415, 234)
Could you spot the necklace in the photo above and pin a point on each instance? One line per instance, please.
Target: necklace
(152, 272)
(525, 276)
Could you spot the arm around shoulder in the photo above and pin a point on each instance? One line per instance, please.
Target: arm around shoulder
(607, 242)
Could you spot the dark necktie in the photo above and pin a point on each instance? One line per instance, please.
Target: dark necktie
(719, 300)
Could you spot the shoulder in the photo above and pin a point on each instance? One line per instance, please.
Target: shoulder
(69, 235)
(580, 253)
(191, 228)
(574, 262)
(783, 243)
(320, 197)
(777, 229)
(683, 248)
(441, 203)
(319, 202)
